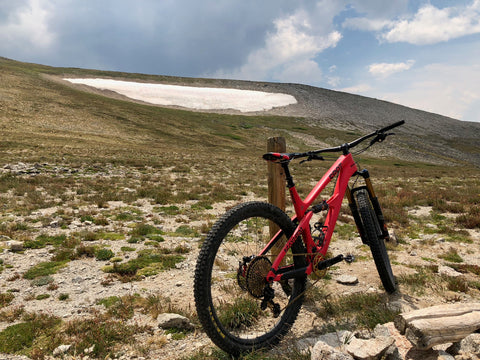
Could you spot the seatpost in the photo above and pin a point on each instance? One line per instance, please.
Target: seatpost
(288, 176)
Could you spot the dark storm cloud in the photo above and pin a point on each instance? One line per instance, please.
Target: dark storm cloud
(181, 37)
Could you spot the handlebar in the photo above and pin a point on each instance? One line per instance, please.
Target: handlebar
(379, 134)
(390, 127)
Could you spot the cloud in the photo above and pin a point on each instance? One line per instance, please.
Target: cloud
(26, 23)
(182, 37)
(383, 70)
(357, 89)
(449, 89)
(431, 25)
(288, 53)
(376, 15)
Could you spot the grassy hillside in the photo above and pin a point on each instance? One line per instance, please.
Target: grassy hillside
(41, 118)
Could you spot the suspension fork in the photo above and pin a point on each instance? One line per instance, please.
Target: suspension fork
(375, 203)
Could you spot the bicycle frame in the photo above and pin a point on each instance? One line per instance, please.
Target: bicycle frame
(345, 168)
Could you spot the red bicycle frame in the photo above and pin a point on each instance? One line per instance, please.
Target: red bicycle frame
(345, 168)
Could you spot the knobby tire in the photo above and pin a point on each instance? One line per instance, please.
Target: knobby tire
(375, 240)
(229, 314)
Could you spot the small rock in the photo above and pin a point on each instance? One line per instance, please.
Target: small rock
(413, 253)
(442, 355)
(469, 345)
(5, 238)
(15, 246)
(167, 321)
(54, 224)
(393, 237)
(77, 280)
(62, 349)
(393, 353)
(364, 334)
(397, 305)
(323, 351)
(401, 347)
(448, 271)
(381, 330)
(347, 280)
(336, 339)
(372, 349)
(89, 350)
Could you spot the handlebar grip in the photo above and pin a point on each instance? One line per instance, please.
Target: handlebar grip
(386, 128)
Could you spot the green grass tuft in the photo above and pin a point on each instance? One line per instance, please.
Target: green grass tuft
(44, 269)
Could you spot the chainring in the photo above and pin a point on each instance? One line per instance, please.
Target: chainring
(255, 276)
(318, 274)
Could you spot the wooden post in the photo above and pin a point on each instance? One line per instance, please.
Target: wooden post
(276, 176)
(276, 185)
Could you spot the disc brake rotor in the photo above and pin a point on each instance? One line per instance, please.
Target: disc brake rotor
(241, 276)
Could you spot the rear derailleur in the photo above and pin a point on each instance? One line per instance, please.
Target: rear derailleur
(267, 301)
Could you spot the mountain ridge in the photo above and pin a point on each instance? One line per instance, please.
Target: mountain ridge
(428, 137)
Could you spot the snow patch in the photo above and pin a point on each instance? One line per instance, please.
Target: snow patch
(193, 97)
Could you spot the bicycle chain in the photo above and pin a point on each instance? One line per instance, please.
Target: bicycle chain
(313, 284)
(318, 257)
(320, 273)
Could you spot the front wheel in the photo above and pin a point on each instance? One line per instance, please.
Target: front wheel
(230, 280)
(373, 234)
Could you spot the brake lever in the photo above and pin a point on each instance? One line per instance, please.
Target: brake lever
(380, 137)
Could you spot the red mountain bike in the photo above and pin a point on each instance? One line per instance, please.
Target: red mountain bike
(249, 285)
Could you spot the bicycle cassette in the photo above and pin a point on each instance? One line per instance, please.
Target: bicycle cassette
(255, 276)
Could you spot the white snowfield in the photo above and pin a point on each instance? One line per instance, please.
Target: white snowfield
(192, 97)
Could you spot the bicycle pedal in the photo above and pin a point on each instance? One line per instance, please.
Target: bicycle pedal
(349, 258)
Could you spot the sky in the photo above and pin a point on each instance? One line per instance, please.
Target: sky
(419, 53)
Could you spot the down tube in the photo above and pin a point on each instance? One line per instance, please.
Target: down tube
(346, 168)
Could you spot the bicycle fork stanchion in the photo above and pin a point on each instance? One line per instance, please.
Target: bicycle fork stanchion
(356, 216)
(375, 203)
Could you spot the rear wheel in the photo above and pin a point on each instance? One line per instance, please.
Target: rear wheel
(229, 285)
(373, 234)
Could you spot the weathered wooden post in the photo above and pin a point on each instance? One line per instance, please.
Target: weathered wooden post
(276, 184)
(276, 176)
